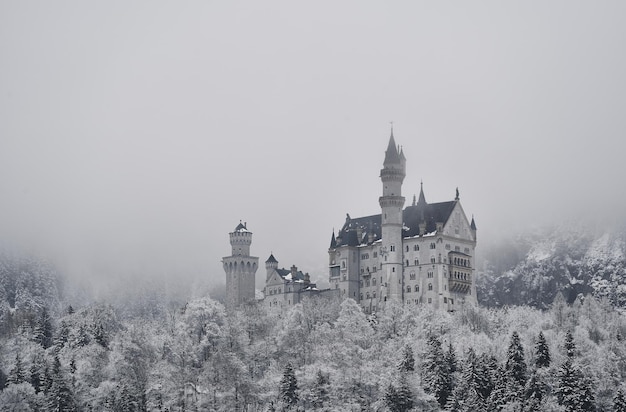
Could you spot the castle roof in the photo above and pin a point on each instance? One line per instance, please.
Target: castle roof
(366, 230)
(271, 259)
(391, 154)
(288, 275)
(241, 227)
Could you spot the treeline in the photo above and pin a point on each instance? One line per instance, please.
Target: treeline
(320, 355)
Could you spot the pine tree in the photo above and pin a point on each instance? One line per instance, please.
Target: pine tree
(450, 358)
(404, 399)
(407, 363)
(60, 396)
(391, 397)
(515, 366)
(17, 374)
(43, 329)
(542, 352)
(320, 392)
(534, 393)
(435, 373)
(574, 390)
(289, 387)
(619, 402)
(570, 346)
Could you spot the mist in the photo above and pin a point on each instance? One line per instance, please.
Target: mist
(135, 137)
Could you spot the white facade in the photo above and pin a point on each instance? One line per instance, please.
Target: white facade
(422, 254)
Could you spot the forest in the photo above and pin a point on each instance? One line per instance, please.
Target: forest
(321, 355)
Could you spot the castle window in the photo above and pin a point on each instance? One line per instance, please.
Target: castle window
(451, 301)
(361, 296)
(430, 274)
(367, 295)
(373, 281)
(433, 246)
(367, 283)
(432, 259)
(416, 247)
(430, 300)
(392, 248)
(445, 300)
(393, 269)
(416, 262)
(407, 248)
(430, 286)
(417, 288)
(375, 254)
(408, 289)
(412, 276)
(374, 269)
(407, 262)
(374, 295)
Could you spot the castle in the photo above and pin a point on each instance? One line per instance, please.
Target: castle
(420, 254)
(423, 253)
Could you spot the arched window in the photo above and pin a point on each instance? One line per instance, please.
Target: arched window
(407, 262)
(430, 286)
(407, 248)
(408, 289)
(373, 281)
(416, 248)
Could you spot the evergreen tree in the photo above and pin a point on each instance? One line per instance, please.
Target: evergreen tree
(570, 346)
(407, 363)
(320, 392)
(390, 398)
(436, 377)
(533, 394)
(100, 336)
(43, 329)
(542, 352)
(619, 401)
(289, 387)
(450, 358)
(574, 390)
(35, 377)
(17, 374)
(515, 366)
(3, 379)
(60, 396)
(404, 400)
(478, 384)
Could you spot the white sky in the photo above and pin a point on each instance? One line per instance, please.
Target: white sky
(135, 135)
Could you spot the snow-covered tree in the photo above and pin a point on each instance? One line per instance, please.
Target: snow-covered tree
(542, 352)
(289, 387)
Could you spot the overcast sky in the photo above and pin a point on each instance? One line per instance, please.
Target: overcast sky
(135, 135)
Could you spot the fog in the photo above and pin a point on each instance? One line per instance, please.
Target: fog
(135, 136)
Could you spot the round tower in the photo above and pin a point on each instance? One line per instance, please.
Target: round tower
(391, 202)
(240, 267)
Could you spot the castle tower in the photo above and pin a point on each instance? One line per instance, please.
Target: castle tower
(271, 264)
(240, 268)
(391, 203)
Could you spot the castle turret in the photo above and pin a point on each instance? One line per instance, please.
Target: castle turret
(391, 203)
(240, 267)
(271, 264)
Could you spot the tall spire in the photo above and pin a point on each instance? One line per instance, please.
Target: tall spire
(391, 154)
(422, 198)
(473, 224)
(414, 201)
(333, 241)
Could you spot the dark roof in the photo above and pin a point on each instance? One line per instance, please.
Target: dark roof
(473, 224)
(240, 226)
(333, 241)
(391, 154)
(271, 259)
(366, 230)
(284, 272)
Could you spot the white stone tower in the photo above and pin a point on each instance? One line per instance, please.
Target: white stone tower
(391, 203)
(240, 268)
